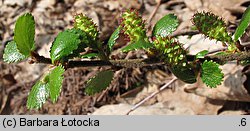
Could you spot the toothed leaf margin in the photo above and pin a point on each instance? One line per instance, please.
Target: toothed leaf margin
(99, 82)
(113, 38)
(12, 54)
(211, 74)
(166, 25)
(55, 83)
(49, 86)
(68, 44)
(24, 34)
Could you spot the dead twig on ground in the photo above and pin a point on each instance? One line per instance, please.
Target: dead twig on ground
(152, 95)
(153, 13)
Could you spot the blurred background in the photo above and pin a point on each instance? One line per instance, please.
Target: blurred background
(130, 85)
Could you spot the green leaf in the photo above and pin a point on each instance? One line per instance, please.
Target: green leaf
(141, 44)
(99, 82)
(89, 55)
(68, 44)
(38, 95)
(184, 73)
(24, 34)
(12, 54)
(201, 54)
(55, 82)
(49, 86)
(244, 23)
(166, 25)
(113, 38)
(211, 74)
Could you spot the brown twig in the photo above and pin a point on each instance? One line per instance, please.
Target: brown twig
(151, 95)
(118, 63)
(128, 63)
(185, 32)
(153, 13)
(36, 58)
(229, 57)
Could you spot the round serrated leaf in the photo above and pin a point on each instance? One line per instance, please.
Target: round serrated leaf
(67, 43)
(24, 34)
(49, 86)
(55, 82)
(38, 95)
(211, 74)
(244, 23)
(184, 73)
(12, 54)
(99, 82)
(166, 25)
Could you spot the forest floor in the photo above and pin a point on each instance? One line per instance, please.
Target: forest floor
(130, 85)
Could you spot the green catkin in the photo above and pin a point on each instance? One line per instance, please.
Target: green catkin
(133, 26)
(170, 51)
(212, 26)
(87, 25)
